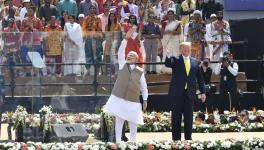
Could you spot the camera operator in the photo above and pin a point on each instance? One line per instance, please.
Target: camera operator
(207, 73)
(228, 87)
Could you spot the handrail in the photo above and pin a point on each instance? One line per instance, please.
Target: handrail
(100, 64)
(95, 82)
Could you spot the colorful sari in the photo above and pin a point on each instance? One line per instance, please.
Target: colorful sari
(170, 42)
(133, 44)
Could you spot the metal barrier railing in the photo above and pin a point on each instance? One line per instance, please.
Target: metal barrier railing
(95, 82)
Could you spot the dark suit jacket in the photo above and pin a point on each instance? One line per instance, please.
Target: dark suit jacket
(179, 77)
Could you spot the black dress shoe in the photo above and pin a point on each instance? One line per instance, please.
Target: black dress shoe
(124, 138)
(148, 72)
(153, 72)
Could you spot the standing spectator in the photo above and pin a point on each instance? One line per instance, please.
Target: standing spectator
(133, 43)
(55, 3)
(112, 42)
(172, 37)
(31, 40)
(186, 29)
(144, 10)
(17, 3)
(220, 33)
(73, 47)
(196, 33)
(177, 9)
(11, 14)
(208, 37)
(23, 10)
(104, 16)
(9, 5)
(110, 3)
(118, 5)
(1, 29)
(81, 19)
(210, 8)
(138, 3)
(64, 19)
(11, 43)
(92, 32)
(157, 9)
(36, 3)
(1, 7)
(100, 6)
(85, 5)
(166, 5)
(187, 8)
(200, 5)
(68, 5)
(47, 10)
(53, 46)
(128, 9)
(228, 86)
(151, 34)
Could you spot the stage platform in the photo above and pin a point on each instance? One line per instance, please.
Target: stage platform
(162, 136)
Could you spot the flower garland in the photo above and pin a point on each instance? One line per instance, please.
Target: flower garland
(249, 143)
(109, 120)
(20, 117)
(46, 111)
(154, 121)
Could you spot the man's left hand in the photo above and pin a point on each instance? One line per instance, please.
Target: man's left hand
(203, 97)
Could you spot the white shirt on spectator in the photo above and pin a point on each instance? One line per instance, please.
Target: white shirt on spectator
(22, 13)
(104, 20)
(185, 32)
(232, 69)
(133, 9)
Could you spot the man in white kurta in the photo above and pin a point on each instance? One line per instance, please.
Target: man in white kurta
(208, 37)
(220, 33)
(124, 101)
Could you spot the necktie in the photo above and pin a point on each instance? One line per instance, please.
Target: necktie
(187, 68)
(187, 65)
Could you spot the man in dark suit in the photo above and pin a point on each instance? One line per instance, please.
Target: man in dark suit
(185, 73)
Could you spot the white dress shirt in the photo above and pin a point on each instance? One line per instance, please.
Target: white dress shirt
(233, 70)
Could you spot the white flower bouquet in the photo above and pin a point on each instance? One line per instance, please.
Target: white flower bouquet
(20, 117)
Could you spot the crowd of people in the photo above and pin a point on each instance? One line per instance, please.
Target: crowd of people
(90, 31)
(119, 32)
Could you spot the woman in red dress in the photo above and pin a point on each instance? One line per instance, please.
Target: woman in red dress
(133, 43)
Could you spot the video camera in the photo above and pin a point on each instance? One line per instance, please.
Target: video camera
(225, 59)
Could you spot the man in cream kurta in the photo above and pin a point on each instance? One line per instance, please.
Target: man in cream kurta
(124, 101)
